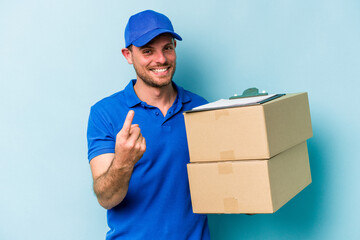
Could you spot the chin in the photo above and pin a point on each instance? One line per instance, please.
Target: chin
(160, 84)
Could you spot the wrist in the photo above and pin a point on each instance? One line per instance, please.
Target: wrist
(121, 165)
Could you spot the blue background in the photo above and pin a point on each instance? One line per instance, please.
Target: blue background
(57, 58)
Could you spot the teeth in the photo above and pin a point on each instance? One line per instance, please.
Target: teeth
(159, 70)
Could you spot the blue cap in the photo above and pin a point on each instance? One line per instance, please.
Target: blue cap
(144, 26)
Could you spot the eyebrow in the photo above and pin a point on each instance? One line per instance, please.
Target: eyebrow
(145, 46)
(149, 45)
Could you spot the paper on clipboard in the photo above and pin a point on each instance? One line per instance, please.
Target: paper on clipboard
(227, 103)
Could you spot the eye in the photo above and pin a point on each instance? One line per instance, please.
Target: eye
(169, 47)
(146, 51)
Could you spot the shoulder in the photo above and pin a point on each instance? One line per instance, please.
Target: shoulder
(119, 101)
(109, 110)
(106, 114)
(195, 97)
(194, 100)
(189, 98)
(108, 103)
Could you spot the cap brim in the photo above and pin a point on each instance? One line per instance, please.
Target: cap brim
(147, 37)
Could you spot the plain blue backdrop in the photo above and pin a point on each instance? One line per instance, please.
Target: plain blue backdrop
(57, 58)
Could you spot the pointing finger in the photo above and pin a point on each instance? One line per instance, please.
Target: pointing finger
(128, 121)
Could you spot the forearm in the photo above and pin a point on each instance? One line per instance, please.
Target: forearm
(112, 172)
(111, 187)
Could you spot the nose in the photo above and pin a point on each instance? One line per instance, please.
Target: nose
(160, 58)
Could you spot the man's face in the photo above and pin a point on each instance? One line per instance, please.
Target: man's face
(155, 62)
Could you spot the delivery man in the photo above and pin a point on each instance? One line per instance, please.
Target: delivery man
(137, 144)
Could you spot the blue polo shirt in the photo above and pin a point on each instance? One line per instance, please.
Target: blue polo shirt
(157, 205)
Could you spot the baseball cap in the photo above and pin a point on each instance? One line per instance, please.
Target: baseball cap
(144, 26)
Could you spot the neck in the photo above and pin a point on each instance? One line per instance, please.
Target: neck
(162, 98)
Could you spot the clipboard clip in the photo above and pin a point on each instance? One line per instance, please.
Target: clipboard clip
(250, 92)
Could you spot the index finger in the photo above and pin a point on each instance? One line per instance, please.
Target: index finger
(128, 121)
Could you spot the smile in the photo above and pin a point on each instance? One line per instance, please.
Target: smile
(159, 70)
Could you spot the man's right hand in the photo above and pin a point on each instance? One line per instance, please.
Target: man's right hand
(130, 144)
(112, 172)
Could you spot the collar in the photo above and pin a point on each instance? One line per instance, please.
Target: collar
(132, 99)
(182, 95)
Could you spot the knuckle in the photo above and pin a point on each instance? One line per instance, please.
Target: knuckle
(135, 131)
(120, 134)
(121, 139)
(119, 142)
(137, 147)
(130, 145)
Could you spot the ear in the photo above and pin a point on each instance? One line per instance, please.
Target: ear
(174, 43)
(127, 54)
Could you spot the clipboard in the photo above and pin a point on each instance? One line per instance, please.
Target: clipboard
(248, 98)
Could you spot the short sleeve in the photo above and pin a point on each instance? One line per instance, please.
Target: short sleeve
(100, 138)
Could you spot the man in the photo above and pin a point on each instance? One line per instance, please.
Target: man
(137, 142)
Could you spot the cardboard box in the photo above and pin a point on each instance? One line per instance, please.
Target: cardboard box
(249, 132)
(253, 186)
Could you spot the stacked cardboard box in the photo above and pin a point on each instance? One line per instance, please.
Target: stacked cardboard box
(250, 159)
